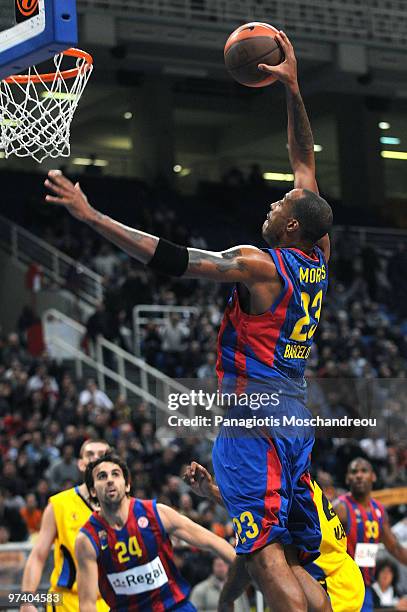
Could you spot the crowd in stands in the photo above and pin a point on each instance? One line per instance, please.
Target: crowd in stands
(46, 414)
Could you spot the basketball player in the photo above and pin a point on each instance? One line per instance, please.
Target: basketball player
(63, 517)
(126, 546)
(265, 336)
(366, 522)
(334, 568)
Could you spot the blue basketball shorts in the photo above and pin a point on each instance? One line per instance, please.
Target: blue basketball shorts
(368, 601)
(263, 476)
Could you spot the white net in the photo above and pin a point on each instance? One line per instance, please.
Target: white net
(36, 110)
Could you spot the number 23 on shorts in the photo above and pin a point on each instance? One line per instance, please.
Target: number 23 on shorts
(245, 526)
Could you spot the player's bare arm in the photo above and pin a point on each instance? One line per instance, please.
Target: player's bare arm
(87, 574)
(342, 513)
(183, 528)
(300, 137)
(392, 544)
(201, 482)
(245, 264)
(38, 556)
(136, 243)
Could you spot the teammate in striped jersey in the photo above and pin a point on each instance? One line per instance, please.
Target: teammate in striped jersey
(126, 547)
(366, 523)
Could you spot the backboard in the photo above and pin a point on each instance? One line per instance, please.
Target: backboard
(32, 31)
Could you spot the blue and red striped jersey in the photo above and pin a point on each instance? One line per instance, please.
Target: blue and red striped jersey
(365, 526)
(135, 564)
(278, 342)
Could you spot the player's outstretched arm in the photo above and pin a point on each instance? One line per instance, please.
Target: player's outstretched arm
(201, 482)
(182, 527)
(299, 132)
(36, 560)
(300, 138)
(136, 243)
(87, 574)
(245, 264)
(392, 544)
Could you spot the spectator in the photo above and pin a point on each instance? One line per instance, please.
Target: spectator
(42, 493)
(34, 281)
(13, 351)
(11, 520)
(4, 534)
(151, 345)
(41, 379)
(205, 595)
(166, 465)
(64, 469)
(207, 369)
(174, 336)
(92, 394)
(27, 318)
(187, 507)
(106, 261)
(136, 289)
(384, 589)
(34, 449)
(50, 450)
(31, 514)
(11, 481)
(98, 323)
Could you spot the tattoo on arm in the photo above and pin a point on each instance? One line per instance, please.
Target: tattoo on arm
(137, 244)
(223, 262)
(300, 138)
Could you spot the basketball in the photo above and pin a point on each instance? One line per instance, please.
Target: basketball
(250, 45)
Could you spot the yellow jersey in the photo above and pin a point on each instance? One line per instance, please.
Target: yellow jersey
(333, 543)
(71, 512)
(334, 568)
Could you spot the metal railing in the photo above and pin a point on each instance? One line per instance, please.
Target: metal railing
(369, 22)
(58, 267)
(129, 374)
(13, 557)
(158, 314)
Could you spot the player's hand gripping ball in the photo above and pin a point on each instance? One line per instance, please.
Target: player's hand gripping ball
(247, 47)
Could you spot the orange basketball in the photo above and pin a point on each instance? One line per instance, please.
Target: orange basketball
(252, 44)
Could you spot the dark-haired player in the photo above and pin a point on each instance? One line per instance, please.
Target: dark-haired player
(264, 341)
(366, 522)
(63, 517)
(126, 547)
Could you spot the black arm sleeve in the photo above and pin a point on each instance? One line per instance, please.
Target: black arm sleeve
(169, 258)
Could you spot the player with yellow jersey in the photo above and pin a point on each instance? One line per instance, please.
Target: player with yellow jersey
(64, 516)
(334, 568)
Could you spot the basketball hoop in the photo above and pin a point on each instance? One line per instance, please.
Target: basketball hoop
(36, 110)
